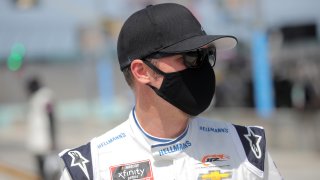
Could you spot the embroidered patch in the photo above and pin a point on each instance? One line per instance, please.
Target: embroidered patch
(137, 170)
(254, 141)
(212, 158)
(254, 144)
(79, 160)
(215, 175)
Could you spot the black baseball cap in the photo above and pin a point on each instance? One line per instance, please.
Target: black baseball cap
(164, 28)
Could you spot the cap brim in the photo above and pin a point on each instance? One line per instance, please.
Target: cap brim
(220, 42)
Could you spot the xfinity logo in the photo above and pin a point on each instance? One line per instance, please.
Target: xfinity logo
(132, 174)
(137, 170)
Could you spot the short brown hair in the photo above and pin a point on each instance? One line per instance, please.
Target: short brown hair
(128, 74)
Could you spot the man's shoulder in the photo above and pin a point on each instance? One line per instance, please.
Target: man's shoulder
(211, 126)
(253, 139)
(79, 161)
(116, 134)
(249, 141)
(253, 143)
(110, 137)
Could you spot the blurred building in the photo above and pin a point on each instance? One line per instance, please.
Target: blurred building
(72, 45)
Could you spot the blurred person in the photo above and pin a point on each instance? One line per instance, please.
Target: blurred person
(167, 60)
(41, 122)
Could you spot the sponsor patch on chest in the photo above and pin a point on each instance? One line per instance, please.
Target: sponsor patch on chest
(136, 170)
(213, 161)
(211, 158)
(215, 175)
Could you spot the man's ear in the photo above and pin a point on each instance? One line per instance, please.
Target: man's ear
(140, 71)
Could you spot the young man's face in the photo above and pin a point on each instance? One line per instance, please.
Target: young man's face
(186, 80)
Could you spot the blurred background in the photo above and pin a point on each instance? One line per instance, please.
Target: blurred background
(272, 77)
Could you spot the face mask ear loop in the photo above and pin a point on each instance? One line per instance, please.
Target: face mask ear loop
(158, 71)
(154, 68)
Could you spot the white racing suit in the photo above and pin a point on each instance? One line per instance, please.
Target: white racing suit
(206, 150)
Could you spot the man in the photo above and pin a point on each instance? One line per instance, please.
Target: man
(167, 60)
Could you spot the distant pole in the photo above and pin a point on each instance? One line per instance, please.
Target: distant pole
(105, 82)
(262, 74)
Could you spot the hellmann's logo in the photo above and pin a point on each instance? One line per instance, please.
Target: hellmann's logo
(175, 148)
(214, 129)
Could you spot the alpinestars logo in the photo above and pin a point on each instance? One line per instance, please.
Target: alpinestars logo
(79, 160)
(254, 141)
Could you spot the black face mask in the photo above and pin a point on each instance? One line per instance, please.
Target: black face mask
(191, 90)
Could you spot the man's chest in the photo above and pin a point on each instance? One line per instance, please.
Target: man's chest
(194, 163)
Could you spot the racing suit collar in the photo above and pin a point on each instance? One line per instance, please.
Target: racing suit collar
(161, 148)
(150, 138)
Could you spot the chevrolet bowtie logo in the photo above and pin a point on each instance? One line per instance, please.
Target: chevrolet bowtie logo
(215, 175)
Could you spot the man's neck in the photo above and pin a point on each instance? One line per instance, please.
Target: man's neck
(159, 118)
